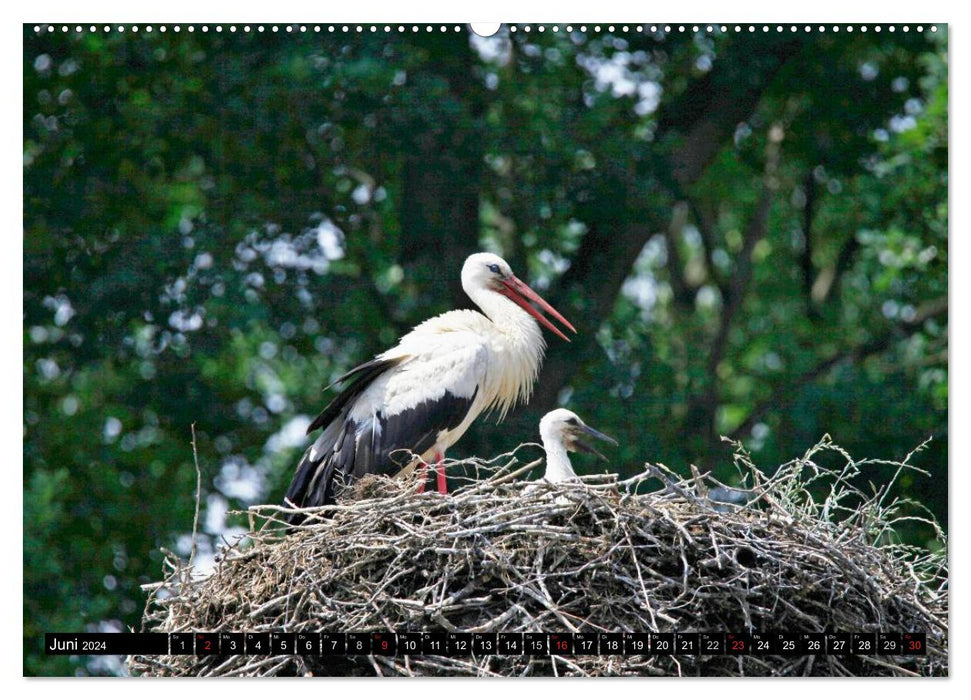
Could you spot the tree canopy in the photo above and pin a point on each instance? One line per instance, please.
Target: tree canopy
(749, 231)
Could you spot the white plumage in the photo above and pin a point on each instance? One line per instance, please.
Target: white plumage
(419, 397)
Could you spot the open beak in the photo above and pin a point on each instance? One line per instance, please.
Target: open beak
(582, 446)
(519, 292)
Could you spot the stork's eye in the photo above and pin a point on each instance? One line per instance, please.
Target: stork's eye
(572, 421)
(494, 268)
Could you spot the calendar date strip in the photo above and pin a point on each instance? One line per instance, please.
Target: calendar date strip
(500, 643)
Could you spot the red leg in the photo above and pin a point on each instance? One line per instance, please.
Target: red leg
(424, 477)
(440, 473)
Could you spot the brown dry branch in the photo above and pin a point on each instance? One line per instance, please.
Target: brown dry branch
(599, 555)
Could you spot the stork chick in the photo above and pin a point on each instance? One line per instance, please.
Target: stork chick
(562, 431)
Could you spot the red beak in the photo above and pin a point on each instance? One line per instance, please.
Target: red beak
(519, 292)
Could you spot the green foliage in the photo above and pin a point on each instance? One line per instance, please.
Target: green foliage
(750, 233)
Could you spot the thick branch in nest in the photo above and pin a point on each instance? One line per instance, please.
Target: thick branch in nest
(596, 555)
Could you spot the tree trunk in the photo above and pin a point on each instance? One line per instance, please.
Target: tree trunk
(442, 172)
(704, 121)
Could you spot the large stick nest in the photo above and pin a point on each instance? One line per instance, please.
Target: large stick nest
(599, 555)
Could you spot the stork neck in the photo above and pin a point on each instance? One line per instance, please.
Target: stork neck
(558, 467)
(518, 345)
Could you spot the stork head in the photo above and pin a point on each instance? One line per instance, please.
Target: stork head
(565, 427)
(488, 272)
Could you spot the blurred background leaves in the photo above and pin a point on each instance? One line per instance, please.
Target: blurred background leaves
(750, 232)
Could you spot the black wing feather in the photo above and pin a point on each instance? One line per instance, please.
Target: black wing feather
(417, 429)
(311, 484)
(317, 481)
(363, 375)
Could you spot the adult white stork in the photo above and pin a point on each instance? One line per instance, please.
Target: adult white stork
(562, 431)
(423, 394)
